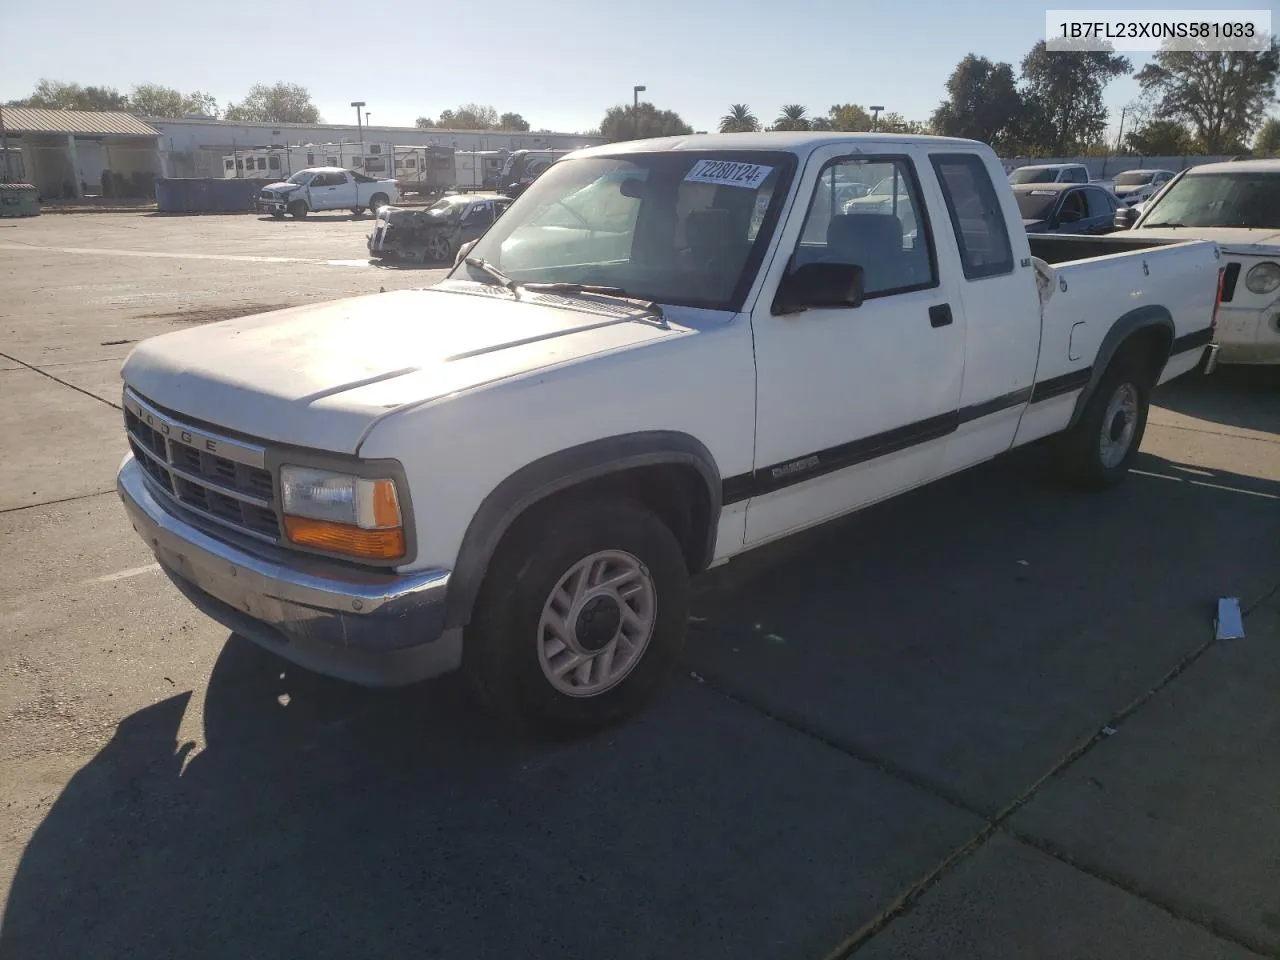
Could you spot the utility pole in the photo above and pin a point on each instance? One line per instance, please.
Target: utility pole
(635, 109)
(359, 105)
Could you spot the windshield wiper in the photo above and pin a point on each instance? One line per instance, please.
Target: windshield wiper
(1167, 223)
(486, 267)
(651, 308)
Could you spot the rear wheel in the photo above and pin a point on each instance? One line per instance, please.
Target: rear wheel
(298, 209)
(581, 616)
(377, 202)
(1099, 450)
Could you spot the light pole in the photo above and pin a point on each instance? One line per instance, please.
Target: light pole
(4, 148)
(359, 105)
(875, 118)
(635, 108)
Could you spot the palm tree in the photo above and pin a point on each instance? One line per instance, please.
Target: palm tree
(792, 118)
(739, 119)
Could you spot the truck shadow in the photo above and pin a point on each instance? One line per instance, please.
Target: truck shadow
(1238, 396)
(320, 218)
(934, 632)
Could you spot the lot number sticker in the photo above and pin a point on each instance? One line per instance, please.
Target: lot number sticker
(728, 173)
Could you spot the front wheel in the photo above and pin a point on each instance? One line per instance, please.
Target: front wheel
(298, 209)
(581, 616)
(438, 249)
(1099, 450)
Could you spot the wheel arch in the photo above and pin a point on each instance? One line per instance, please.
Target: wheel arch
(1148, 330)
(670, 472)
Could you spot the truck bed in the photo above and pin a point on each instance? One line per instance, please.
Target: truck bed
(1064, 248)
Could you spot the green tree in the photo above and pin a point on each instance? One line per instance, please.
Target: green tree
(982, 103)
(1160, 138)
(739, 119)
(469, 116)
(849, 117)
(793, 117)
(1267, 142)
(897, 123)
(636, 123)
(424, 123)
(512, 121)
(275, 103)
(1221, 95)
(156, 100)
(1063, 109)
(56, 95)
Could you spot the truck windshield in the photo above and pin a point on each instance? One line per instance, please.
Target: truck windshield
(1134, 178)
(1245, 199)
(302, 176)
(1034, 175)
(683, 227)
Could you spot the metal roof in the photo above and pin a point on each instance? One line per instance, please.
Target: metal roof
(89, 122)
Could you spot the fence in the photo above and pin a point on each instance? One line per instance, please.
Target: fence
(205, 195)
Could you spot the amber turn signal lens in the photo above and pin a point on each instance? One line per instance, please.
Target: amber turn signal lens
(345, 539)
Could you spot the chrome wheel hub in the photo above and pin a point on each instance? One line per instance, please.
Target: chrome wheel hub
(1119, 424)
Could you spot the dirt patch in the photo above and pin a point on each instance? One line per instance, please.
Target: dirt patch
(213, 314)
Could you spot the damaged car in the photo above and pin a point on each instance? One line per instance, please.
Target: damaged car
(434, 234)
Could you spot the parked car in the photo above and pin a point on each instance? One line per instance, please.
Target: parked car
(1237, 205)
(1050, 173)
(516, 472)
(434, 234)
(1137, 186)
(326, 188)
(1065, 208)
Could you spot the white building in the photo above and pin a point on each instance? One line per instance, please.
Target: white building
(194, 147)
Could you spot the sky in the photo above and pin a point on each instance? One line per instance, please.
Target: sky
(559, 63)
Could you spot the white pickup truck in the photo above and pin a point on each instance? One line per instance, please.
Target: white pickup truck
(633, 375)
(1236, 205)
(326, 188)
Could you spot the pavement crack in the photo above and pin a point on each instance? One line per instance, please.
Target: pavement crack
(1213, 925)
(49, 503)
(45, 373)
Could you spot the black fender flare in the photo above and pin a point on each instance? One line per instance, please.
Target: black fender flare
(1142, 318)
(559, 471)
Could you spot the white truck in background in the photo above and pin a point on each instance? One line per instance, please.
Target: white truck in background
(326, 188)
(664, 354)
(1235, 204)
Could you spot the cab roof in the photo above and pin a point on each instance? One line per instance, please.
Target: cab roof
(1238, 166)
(792, 141)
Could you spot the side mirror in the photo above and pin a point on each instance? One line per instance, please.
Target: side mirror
(819, 285)
(1125, 218)
(464, 251)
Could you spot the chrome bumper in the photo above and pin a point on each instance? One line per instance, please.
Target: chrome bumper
(372, 628)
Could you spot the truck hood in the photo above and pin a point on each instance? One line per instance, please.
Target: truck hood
(1261, 241)
(320, 376)
(283, 186)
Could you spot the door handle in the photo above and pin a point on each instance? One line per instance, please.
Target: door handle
(940, 315)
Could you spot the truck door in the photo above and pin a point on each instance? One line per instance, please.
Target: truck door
(344, 194)
(854, 404)
(322, 190)
(986, 245)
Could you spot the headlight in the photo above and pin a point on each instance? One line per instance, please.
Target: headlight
(330, 511)
(1263, 278)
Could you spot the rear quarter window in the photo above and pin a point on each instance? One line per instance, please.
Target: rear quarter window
(976, 215)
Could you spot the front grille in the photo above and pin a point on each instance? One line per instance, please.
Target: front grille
(190, 465)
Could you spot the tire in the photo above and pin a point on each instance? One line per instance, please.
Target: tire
(377, 202)
(277, 214)
(438, 250)
(298, 209)
(562, 675)
(1098, 451)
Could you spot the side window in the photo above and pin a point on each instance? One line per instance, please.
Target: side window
(273, 162)
(1099, 204)
(229, 164)
(311, 159)
(1079, 175)
(1073, 207)
(868, 212)
(976, 215)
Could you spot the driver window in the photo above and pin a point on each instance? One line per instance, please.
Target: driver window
(867, 212)
(1073, 206)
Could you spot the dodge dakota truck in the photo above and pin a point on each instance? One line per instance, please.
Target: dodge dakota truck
(326, 188)
(665, 353)
(1236, 205)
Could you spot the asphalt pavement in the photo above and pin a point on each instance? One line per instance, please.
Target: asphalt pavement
(987, 719)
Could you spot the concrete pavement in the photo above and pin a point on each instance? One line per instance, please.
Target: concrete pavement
(890, 745)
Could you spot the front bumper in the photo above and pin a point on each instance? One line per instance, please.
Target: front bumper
(368, 627)
(1248, 334)
(264, 205)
